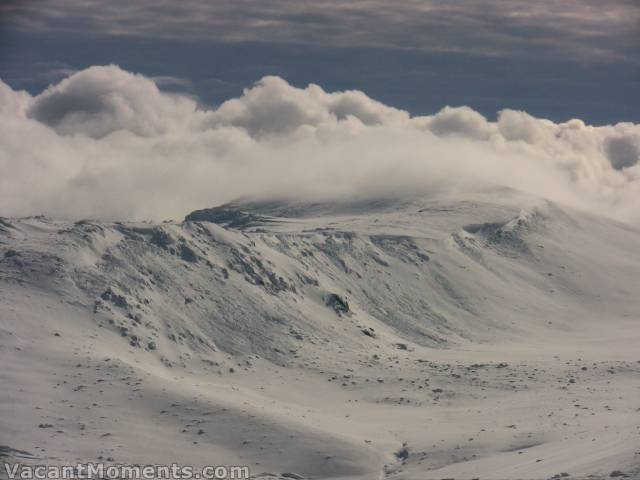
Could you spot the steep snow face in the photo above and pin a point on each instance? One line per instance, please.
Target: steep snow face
(218, 315)
(239, 277)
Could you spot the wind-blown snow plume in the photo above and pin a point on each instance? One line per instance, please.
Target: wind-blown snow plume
(108, 143)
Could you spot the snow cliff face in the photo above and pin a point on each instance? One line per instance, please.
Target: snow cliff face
(349, 291)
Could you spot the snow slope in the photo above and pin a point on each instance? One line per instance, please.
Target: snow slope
(490, 335)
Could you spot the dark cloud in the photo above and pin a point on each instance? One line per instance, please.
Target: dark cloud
(552, 58)
(582, 29)
(622, 152)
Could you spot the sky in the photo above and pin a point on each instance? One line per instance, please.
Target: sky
(147, 110)
(556, 59)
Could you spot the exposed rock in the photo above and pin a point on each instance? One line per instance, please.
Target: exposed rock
(223, 215)
(117, 299)
(338, 303)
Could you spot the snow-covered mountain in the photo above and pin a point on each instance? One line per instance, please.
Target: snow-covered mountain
(492, 335)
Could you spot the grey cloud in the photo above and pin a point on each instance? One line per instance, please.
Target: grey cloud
(622, 151)
(169, 81)
(577, 30)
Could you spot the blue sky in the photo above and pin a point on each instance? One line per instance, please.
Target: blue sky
(556, 59)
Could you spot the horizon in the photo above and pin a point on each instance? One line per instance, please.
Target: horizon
(554, 60)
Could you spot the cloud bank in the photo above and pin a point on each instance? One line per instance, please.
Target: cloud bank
(107, 143)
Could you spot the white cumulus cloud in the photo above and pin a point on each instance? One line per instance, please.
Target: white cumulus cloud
(108, 143)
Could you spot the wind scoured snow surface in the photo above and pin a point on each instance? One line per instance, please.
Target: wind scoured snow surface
(489, 335)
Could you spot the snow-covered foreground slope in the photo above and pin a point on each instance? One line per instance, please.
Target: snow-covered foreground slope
(402, 339)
